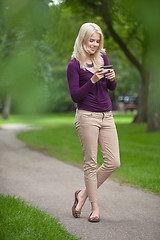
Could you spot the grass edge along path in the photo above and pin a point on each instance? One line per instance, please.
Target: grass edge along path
(18, 220)
(56, 118)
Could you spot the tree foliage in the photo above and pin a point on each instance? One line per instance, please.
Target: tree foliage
(147, 12)
(36, 43)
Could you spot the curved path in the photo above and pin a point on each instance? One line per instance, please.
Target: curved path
(43, 181)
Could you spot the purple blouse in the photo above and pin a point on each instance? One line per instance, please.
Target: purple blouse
(89, 96)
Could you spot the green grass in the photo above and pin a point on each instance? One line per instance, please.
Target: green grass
(140, 157)
(52, 119)
(40, 120)
(20, 221)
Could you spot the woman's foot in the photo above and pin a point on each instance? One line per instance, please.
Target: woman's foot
(80, 198)
(94, 216)
(93, 219)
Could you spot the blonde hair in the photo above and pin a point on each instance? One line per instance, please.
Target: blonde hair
(80, 50)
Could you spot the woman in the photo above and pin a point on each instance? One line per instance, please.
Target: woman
(88, 85)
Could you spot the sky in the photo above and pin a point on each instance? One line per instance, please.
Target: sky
(55, 2)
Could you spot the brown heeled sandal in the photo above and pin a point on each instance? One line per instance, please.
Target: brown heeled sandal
(76, 213)
(93, 219)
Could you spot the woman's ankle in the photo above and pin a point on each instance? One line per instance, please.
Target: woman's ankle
(84, 194)
(95, 208)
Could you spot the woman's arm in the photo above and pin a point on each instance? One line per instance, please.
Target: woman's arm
(77, 93)
(111, 85)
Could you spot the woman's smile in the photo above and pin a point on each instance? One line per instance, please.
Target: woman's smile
(93, 43)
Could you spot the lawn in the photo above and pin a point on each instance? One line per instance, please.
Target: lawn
(59, 118)
(20, 221)
(139, 150)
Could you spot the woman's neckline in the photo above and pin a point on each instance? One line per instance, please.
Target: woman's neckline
(90, 65)
(90, 71)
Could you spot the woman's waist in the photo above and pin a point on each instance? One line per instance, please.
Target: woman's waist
(93, 106)
(98, 114)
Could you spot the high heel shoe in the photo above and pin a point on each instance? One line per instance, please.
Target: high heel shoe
(93, 219)
(76, 213)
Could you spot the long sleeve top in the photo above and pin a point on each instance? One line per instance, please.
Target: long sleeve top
(86, 95)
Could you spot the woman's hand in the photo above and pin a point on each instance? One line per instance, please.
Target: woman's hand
(100, 74)
(97, 75)
(110, 75)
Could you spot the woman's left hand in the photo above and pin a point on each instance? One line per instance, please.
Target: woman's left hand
(110, 75)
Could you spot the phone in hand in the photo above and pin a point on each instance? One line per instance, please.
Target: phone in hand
(108, 67)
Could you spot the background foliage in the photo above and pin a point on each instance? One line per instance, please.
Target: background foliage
(36, 43)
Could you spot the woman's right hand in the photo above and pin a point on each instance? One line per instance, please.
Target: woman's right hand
(97, 76)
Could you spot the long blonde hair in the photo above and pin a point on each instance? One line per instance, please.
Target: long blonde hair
(80, 50)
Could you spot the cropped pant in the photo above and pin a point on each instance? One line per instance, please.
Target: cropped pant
(97, 128)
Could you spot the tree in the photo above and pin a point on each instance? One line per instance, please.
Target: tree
(23, 54)
(6, 108)
(147, 13)
(153, 123)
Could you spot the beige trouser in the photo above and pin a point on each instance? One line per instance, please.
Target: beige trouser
(97, 128)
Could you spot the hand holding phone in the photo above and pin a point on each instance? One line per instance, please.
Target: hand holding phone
(109, 72)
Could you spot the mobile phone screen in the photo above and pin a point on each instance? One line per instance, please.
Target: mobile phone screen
(108, 67)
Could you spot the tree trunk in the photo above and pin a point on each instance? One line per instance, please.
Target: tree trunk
(153, 109)
(6, 108)
(154, 93)
(143, 100)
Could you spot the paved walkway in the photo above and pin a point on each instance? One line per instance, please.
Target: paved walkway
(126, 213)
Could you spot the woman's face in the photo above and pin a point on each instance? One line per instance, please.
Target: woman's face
(93, 43)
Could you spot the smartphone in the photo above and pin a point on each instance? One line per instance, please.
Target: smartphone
(108, 67)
